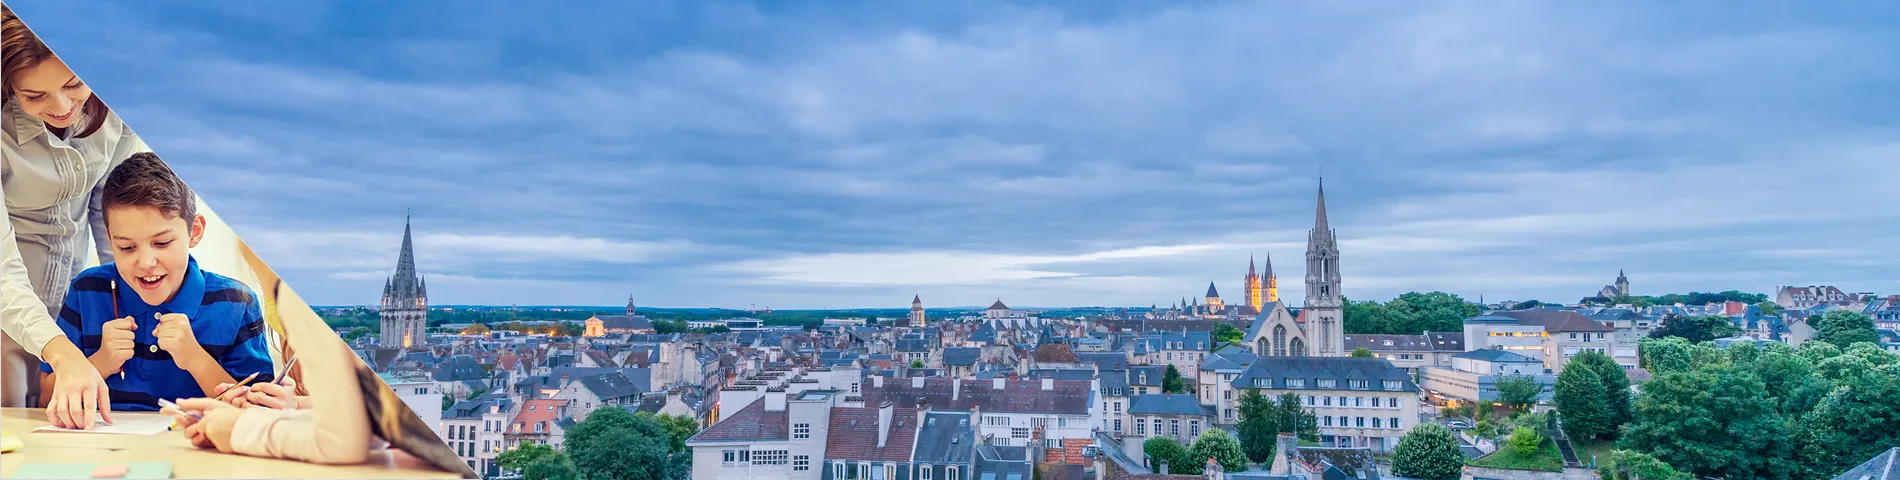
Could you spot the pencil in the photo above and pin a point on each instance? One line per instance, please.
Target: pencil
(245, 381)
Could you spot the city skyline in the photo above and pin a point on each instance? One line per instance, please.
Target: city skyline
(1063, 154)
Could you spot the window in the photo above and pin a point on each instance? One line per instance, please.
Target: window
(890, 471)
(801, 463)
(1296, 383)
(1118, 426)
(1342, 400)
(923, 473)
(1019, 432)
(1358, 401)
(854, 389)
(1393, 385)
(1375, 422)
(737, 457)
(1329, 401)
(1329, 420)
(1395, 422)
(864, 470)
(950, 472)
(1141, 429)
(837, 470)
(1118, 406)
(1230, 414)
(801, 430)
(1328, 384)
(1174, 427)
(1194, 428)
(768, 457)
(1573, 335)
(1157, 423)
(1357, 384)
(1309, 401)
(1361, 422)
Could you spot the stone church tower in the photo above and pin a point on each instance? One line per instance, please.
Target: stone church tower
(916, 312)
(1324, 300)
(405, 313)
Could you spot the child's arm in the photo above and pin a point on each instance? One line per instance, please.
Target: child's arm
(176, 337)
(250, 350)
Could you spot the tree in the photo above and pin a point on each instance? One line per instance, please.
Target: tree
(1769, 308)
(1631, 465)
(870, 320)
(1163, 449)
(1525, 441)
(1259, 425)
(1296, 419)
(1616, 386)
(1529, 304)
(1851, 424)
(1221, 447)
(669, 327)
(1711, 422)
(1171, 381)
(1844, 328)
(916, 364)
(678, 428)
(1665, 355)
(476, 329)
(1580, 404)
(356, 333)
(1361, 352)
(1696, 329)
(518, 458)
(551, 467)
(1519, 392)
(1228, 334)
(615, 443)
(1428, 452)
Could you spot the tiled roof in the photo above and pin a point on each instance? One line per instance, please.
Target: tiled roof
(749, 424)
(1068, 397)
(854, 431)
(1388, 343)
(1069, 454)
(1054, 353)
(611, 386)
(947, 437)
(1558, 321)
(961, 356)
(459, 368)
(538, 412)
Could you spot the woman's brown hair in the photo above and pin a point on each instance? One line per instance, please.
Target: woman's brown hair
(20, 49)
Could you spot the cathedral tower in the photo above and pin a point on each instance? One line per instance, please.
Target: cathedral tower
(1273, 281)
(1214, 303)
(916, 311)
(1251, 286)
(405, 312)
(1323, 297)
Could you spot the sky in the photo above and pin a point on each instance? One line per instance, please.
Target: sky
(854, 154)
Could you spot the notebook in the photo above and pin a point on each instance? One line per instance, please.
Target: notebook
(135, 470)
(124, 424)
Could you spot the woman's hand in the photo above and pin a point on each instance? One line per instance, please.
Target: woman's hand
(271, 395)
(78, 391)
(237, 397)
(214, 430)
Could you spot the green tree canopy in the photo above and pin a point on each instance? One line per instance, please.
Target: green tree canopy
(1227, 334)
(1666, 355)
(1171, 381)
(1361, 352)
(1844, 328)
(1851, 424)
(1428, 452)
(1259, 425)
(1616, 386)
(1411, 313)
(551, 467)
(1162, 449)
(1519, 392)
(1297, 419)
(1696, 329)
(1525, 441)
(1221, 447)
(518, 458)
(1580, 403)
(615, 443)
(1711, 422)
(1631, 465)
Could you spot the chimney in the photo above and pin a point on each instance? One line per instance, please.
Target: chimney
(1287, 443)
(917, 382)
(956, 388)
(1101, 467)
(1048, 384)
(877, 381)
(774, 401)
(884, 412)
(996, 383)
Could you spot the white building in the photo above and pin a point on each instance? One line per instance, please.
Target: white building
(1010, 410)
(421, 396)
(1359, 402)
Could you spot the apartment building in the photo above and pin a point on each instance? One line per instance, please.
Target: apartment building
(1216, 382)
(1359, 402)
(1473, 375)
(1550, 336)
(1009, 410)
(1178, 416)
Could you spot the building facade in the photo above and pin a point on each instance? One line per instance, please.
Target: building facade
(405, 306)
(1359, 402)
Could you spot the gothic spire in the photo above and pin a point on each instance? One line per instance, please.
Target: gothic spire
(1250, 270)
(1210, 291)
(1320, 227)
(1270, 265)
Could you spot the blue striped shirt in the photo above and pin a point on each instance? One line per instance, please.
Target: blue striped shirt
(225, 317)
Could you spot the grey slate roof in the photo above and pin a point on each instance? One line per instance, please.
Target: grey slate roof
(1229, 360)
(1153, 378)
(1105, 360)
(611, 386)
(1447, 341)
(1168, 404)
(1274, 371)
(460, 368)
(1557, 321)
(1495, 355)
(1885, 466)
(945, 438)
(961, 356)
(1388, 343)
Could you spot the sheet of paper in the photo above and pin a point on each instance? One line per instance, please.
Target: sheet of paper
(135, 470)
(124, 423)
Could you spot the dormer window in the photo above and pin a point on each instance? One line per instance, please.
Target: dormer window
(1296, 383)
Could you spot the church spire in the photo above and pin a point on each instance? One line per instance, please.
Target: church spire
(1320, 226)
(1250, 271)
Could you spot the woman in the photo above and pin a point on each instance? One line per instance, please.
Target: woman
(60, 142)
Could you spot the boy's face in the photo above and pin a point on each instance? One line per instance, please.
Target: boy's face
(152, 249)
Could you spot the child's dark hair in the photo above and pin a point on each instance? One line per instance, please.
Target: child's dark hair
(145, 181)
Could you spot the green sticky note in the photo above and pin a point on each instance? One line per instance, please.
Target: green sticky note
(135, 470)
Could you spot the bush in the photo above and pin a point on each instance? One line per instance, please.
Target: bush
(1428, 452)
(1526, 440)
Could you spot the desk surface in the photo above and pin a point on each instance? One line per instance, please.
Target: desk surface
(187, 461)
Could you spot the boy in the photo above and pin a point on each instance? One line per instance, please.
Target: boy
(153, 323)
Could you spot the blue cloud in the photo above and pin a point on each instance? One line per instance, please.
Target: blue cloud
(832, 155)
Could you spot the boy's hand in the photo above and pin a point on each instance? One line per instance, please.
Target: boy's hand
(116, 342)
(175, 336)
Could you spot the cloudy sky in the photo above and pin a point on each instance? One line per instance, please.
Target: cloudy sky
(828, 154)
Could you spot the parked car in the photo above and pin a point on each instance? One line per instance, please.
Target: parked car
(1456, 425)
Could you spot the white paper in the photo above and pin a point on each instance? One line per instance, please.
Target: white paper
(125, 423)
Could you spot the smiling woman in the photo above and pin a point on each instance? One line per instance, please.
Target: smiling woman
(61, 141)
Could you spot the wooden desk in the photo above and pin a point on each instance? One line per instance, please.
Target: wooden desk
(187, 461)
